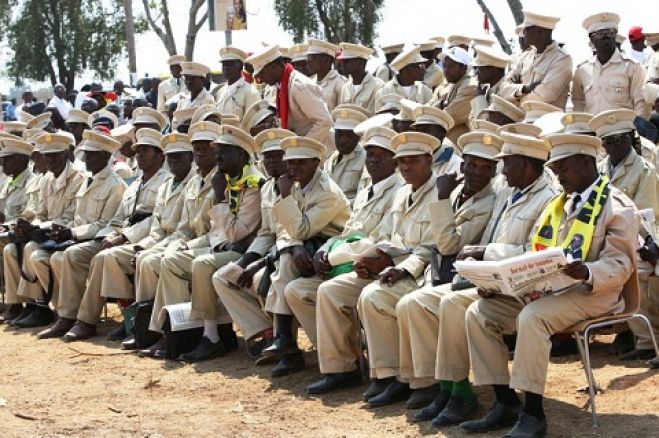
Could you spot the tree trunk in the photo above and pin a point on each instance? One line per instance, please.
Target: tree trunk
(165, 34)
(516, 8)
(497, 29)
(194, 26)
(130, 40)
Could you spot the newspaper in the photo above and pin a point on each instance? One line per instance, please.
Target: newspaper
(366, 247)
(526, 277)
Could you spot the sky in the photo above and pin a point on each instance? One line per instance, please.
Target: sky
(403, 21)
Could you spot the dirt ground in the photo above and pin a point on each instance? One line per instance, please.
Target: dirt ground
(49, 388)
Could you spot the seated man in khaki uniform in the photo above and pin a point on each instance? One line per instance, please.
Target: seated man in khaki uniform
(235, 218)
(300, 102)
(321, 57)
(96, 203)
(362, 87)
(240, 295)
(110, 269)
(490, 66)
(310, 209)
(346, 164)
(195, 78)
(237, 94)
(384, 72)
(434, 75)
(15, 201)
(372, 204)
(458, 217)
(436, 122)
(410, 68)
(516, 209)
(590, 206)
(56, 205)
(455, 94)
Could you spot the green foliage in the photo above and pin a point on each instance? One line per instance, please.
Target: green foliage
(334, 20)
(58, 39)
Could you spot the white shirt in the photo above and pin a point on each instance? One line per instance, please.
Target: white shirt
(62, 106)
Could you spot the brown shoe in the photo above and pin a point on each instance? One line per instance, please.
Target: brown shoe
(61, 326)
(80, 330)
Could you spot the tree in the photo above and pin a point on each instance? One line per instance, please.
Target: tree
(335, 20)
(515, 8)
(130, 39)
(157, 15)
(58, 39)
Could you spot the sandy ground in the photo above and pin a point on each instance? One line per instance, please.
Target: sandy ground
(49, 388)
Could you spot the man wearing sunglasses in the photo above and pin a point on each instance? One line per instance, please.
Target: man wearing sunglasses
(611, 79)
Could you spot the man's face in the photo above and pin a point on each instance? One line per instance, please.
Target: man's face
(302, 169)
(346, 140)
(354, 66)
(380, 163)
(39, 161)
(194, 84)
(270, 74)
(232, 69)
(434, 130)
(274, 163)
(179, 163)
(12, 165)
(453, 71)
(230, 158)
(59, 91)
(147, 84)
(146, 156)
(27, 97)
(488, 74)
(414, 71)
(118, 87)
(415, 168)
(55, 162)
(316, 63)
(128, 109)
(95, 161)
(533, 35)
(617, 145)
(301, 66)
(478, 172)
(175, 70)
(604, 40)
(569, 172)
(514, 169)
(269, 122)
(205, 156)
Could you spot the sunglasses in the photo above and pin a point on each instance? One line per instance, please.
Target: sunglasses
(603, 33)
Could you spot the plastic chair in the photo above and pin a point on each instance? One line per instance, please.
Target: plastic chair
(582, 331)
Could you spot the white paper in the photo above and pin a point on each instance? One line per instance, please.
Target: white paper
(179, 317)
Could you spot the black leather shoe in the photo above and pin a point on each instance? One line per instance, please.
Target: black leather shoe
(498, 417)
(24, 313)
(129, 343)
(377, 387)
(433, 409)
(38, 317)
(117, 334)
(61, 326)
(395, 392)
(204, 350)
(151, 351)
(654, 363)
(11, 312)
(332, 382)
(255, 346)
(80, 331)
(563, 347)
(228, 337)
(528, 426)
(638, 355)
(455, 412)
(422, 397)
(281, 346)
(623, 343)
(288, 364)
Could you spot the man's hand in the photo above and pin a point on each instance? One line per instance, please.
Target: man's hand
(445, 185)
(391, 276)
(577, 270)
(361, 271)
(528, 88)
(111, 242)
(378, 263)
(649, 252)
(471, 251)
(321, 264)
(302, 261)
(23, 227)
(247, 259)
(61, 234)
(284, 184)
(247, 277)
(219, 186)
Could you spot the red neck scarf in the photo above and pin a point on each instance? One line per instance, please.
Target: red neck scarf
(282, 96)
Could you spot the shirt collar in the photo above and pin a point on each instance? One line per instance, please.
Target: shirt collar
(583, 197)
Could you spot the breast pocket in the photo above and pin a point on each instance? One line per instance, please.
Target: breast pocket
(416, 229)
(617, 90)
(97, 203)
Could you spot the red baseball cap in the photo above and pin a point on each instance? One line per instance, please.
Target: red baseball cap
(636, 33)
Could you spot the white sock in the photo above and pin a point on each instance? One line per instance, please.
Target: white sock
(210, 331)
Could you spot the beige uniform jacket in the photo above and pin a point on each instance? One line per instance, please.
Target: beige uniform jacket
(168, 89)
(229, 227)
(616, 84)
(57, 197)
(635, 178)
(455, 226)
(347, 172)
(308, 114)
(139, 197)
(455, 99)
(419, 92)
(509, 231)
(96, 203)
(331, 85)
(362, 94)
(197, 198)
(320, 208)
(32, 193)
(385, 73)
(203, 98)
(553, 67)
(15, 197)
(266, 236)
(434, 76)
(480, 102)
(408, 226)
(236, 98)
(167, 212)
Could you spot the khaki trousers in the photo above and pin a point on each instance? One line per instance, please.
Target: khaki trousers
(301, 298)
(649, 306)
(488, 319)
(117, 270)
(337, 341)
(418, 326)
(36, 264)
(286, 272)
(452, 361)
(12, 273)
(377, 311)
(76, 274)
(243, 305)
(147, 273)
(205, 302)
